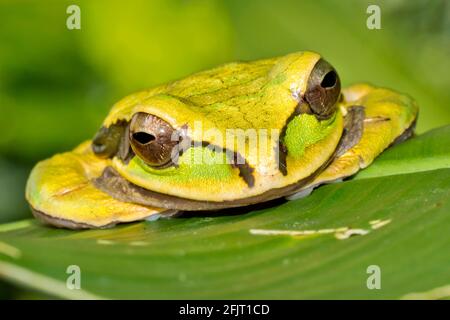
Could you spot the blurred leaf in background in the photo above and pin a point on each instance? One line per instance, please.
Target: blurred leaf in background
(58, 84)
(145, 43)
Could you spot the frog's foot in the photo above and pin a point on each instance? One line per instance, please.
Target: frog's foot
(169, 214)
(61, 193)
(301, 194)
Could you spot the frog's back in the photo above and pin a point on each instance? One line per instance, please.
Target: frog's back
(259, 94)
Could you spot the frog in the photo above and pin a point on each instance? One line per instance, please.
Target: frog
(237, 135)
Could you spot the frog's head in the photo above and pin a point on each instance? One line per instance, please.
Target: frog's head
(223, 137)
(232, 136)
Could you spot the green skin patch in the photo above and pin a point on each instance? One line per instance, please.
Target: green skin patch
(305, 130)
(196, 164)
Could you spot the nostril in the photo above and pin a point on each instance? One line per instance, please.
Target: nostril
(143, 137)
(329, 80)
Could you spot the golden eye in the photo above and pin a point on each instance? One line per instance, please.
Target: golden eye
(323, 90)
(152, 139)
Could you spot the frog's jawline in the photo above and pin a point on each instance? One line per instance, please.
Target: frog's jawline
(71, 224)
(119, 188)
(65, 223)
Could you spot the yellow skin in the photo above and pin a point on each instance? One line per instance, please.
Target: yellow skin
(260, 95)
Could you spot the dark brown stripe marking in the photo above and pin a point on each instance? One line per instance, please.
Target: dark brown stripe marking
(281, 155)
(353, 129)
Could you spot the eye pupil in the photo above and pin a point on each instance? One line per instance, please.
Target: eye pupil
(329, 80)
(143, 137)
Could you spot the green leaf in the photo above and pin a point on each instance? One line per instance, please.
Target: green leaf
(296, 249)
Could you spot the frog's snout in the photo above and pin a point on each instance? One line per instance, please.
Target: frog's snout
(323, 90)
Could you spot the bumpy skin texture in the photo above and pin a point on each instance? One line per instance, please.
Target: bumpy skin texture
(256, 95)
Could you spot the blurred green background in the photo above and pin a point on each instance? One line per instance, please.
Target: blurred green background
(57, 85)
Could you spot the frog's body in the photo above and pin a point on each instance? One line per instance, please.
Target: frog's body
(244, 133)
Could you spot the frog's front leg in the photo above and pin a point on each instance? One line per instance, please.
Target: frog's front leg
(375, 119)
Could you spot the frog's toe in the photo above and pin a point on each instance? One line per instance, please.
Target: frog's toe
(61, 193)
(300, 194)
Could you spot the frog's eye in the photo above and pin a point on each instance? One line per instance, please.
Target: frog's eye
(323, 90)
(151, 139)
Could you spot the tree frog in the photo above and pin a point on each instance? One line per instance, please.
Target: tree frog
(233, 136)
